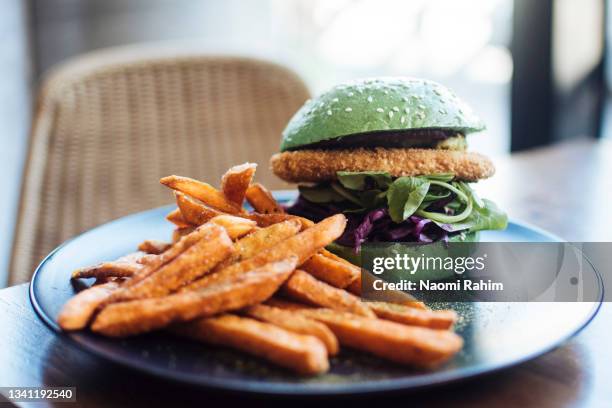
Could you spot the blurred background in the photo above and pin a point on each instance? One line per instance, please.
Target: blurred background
(534, 70)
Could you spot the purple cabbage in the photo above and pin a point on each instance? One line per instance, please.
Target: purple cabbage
(375, 225)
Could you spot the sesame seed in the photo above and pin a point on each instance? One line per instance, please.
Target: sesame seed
(386, 92)
(390, 114)
(350, 94)
(407, 110)
(395, 108)
(348, 109)
(329, 112)
(370, 99)
(335, 100)
(402, 119)
(381, 110)
(422, 107)
(404, 99)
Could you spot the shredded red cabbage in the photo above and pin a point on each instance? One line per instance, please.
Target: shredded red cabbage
(375, 225)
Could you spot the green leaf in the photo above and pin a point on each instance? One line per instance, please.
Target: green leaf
(488, 217)
(358, 180)
(472, 194)
(372, 199)
(445, 177)
(405, 196)
(350, 196)
(320, 194)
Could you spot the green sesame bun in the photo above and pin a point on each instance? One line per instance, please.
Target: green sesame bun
(383, 105)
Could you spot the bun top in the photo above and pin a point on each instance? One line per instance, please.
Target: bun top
(379, 105)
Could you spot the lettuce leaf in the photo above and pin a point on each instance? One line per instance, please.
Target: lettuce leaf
(364, 180)
(488, 217)
(405, 196)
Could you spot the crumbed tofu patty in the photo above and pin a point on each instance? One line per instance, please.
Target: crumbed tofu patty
(317, 165)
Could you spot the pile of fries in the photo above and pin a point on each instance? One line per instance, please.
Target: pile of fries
(260, 282)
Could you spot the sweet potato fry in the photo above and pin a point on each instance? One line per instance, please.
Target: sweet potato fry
(123, 267)
(262, 201)
(153, 246)
(295, 323)
(112, 269)
(337, 274)
(299, 353)
(434, 319)
(229, 292)
(203, 192)
(355, 286)
(265, 220)
(261, 239)
(403, 344)
(306, 288)
(78, 311)
(236, 227)
(236, 181)
(155, 262)
(192, 212)
(302, 245)
(176, 217)
(197, 260)
(284, 304)
(178, 233)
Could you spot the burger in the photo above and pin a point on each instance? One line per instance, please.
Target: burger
(391, 154)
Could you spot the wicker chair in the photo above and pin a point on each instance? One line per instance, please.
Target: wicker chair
(109, 124)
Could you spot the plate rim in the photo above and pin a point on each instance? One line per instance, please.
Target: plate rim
(427, 380)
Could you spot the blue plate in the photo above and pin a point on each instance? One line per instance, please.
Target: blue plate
(497, 335)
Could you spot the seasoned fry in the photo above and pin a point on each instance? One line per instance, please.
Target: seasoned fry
(229, 292)
(403, 344)
(203, 192)
(177, 219)
(178, 233)
(108, 270)
(153, 246)
(192, 212)
(337, 274)
(78, 311)
(261, 239)
(236, 180)
(299, 353)
(306, 288)
(236, 227)
(197, 260)
(302, 245)
(125, 266)
(153, 263)
(265, 220)
(295, 323)
(355, 286)
(262, 201)
(284, 304)
(434, 319)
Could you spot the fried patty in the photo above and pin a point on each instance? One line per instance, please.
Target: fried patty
(316, 165)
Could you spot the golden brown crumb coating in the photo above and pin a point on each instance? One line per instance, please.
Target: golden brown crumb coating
(317, 165)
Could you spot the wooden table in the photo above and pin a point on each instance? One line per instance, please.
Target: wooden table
(549, 187)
